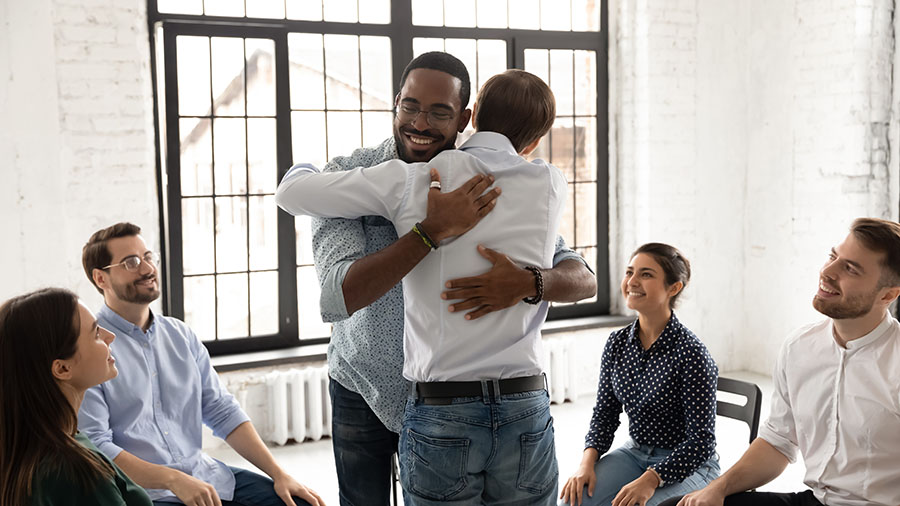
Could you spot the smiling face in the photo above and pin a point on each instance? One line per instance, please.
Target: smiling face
(429, 90)
(849, 281)
(644, 285)
(92, 362)
(119, 284)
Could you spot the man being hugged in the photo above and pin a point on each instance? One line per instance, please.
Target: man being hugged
(148, 419)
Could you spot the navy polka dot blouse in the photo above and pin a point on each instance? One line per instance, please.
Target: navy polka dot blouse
(668, 393)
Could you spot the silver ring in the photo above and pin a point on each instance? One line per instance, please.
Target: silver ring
(435, 184)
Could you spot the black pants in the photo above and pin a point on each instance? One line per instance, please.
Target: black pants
(763, 499)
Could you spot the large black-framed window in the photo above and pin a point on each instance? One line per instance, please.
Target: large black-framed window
(245, 88)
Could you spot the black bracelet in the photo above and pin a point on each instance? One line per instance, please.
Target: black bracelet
(538, 286)
(417, 228)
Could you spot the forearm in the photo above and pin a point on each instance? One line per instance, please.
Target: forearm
(146, 474)
(568, 281)
(760, 464)
(247, 443)
(372, 276)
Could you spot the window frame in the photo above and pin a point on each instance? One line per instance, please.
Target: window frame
(401, 32)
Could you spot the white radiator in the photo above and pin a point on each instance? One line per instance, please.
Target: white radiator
(561, 366)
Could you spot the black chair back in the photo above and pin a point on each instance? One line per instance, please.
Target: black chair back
(749, 412)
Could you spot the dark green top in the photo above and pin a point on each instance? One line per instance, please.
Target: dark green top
(54, 489)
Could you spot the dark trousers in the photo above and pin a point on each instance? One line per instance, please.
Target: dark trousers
(764, 499)
(250, 489)
(363, 448)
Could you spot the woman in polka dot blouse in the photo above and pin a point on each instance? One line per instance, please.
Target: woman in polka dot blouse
(664, 378)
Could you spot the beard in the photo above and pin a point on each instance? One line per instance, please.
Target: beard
(415, 155)
(130, 293)
(851, 307)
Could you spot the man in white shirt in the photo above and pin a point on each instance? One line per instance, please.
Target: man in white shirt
(837, 389)
(477, 428)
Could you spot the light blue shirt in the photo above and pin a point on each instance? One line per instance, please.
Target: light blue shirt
(439, 345)
(154, 409)
(365, 354)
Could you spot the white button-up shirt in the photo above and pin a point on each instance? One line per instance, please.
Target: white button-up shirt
(440, 345)
(841, 408)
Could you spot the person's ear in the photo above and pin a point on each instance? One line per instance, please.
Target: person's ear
(61, 370)
(101, 278)
(527, 150)
(675, 289)
(890, 295)
(464, 120)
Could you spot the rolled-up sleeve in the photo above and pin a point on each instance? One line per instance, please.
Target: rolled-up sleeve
(220, 410)
(779, 429)
(93, 421)
(563, 252)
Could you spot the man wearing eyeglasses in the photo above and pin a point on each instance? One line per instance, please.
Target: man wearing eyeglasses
(360, 263)
(149, 418)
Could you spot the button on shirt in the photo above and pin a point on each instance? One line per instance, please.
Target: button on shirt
(668, 392)
(840, 407)
(365, 354)
(439, 345)
(166, 389)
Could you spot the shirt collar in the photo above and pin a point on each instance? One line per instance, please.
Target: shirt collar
(124, 326)
(489, 140)
(871, 337)
(667, 336)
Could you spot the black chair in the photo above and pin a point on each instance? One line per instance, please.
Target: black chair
(749, 412)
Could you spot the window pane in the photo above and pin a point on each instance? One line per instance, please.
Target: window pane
(224, 7)
(585, 149)
(309, 10)
(525, 14)
(341, 10)
(491, 61)
(229, 142)
(197, 236)
(377, 85)
(586, 15)
(492, 13)
(537, 61)
(344, 133)
(196, 157)
(265, 9)
(585, 214)
(304, 240)
(556, 15)
(307, 71)
(459, 13)
(231, 297)
(428, 12)
(228, 76)
(342, 71)
(561, 80)
(375, 11)
(308, 130)
(263, 303)
(262, 155)
(377, 126)
(425, 45)
(200, 306)
(231, 234)
(465, 50)
(263, 233)
(567, 223)
(586, 82)
(193, 75)
(562, 149)
(261, 77)
(180, 6)
(308, 292)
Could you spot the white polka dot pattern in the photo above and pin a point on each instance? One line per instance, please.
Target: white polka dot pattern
(668, 393)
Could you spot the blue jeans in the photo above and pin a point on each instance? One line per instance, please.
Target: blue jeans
(363, 448)
(250, 489)
(479, 451)
(624, 465)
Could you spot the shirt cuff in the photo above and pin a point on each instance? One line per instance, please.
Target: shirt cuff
(226, 427)
(570, 255)
(331, 302)
(781, 443)
(110, 449)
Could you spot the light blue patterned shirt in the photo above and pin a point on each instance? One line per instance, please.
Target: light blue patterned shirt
(366, 350)
(155, 408)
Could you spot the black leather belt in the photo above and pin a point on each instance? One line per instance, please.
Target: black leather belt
(441, 392)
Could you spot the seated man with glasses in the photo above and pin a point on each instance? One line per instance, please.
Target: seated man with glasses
(148, 419)
(477, 426)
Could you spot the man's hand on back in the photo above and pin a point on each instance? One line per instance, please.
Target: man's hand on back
(505, 285)
(455, 213)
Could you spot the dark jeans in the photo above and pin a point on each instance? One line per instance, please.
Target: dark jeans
(363, 448)
(764, 499)
(250, 489)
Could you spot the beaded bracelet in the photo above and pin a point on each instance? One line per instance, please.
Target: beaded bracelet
(538, 286)
(417, 228)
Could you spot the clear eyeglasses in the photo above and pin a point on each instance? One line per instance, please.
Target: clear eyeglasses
(133, 262)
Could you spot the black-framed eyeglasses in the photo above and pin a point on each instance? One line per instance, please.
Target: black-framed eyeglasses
(407, 113)
(133, 262)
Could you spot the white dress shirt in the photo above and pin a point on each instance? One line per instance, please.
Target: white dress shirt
(841, 408)
(439, 345)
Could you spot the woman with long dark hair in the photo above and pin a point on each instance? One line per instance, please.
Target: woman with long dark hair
(662, 375)
(51, 351)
